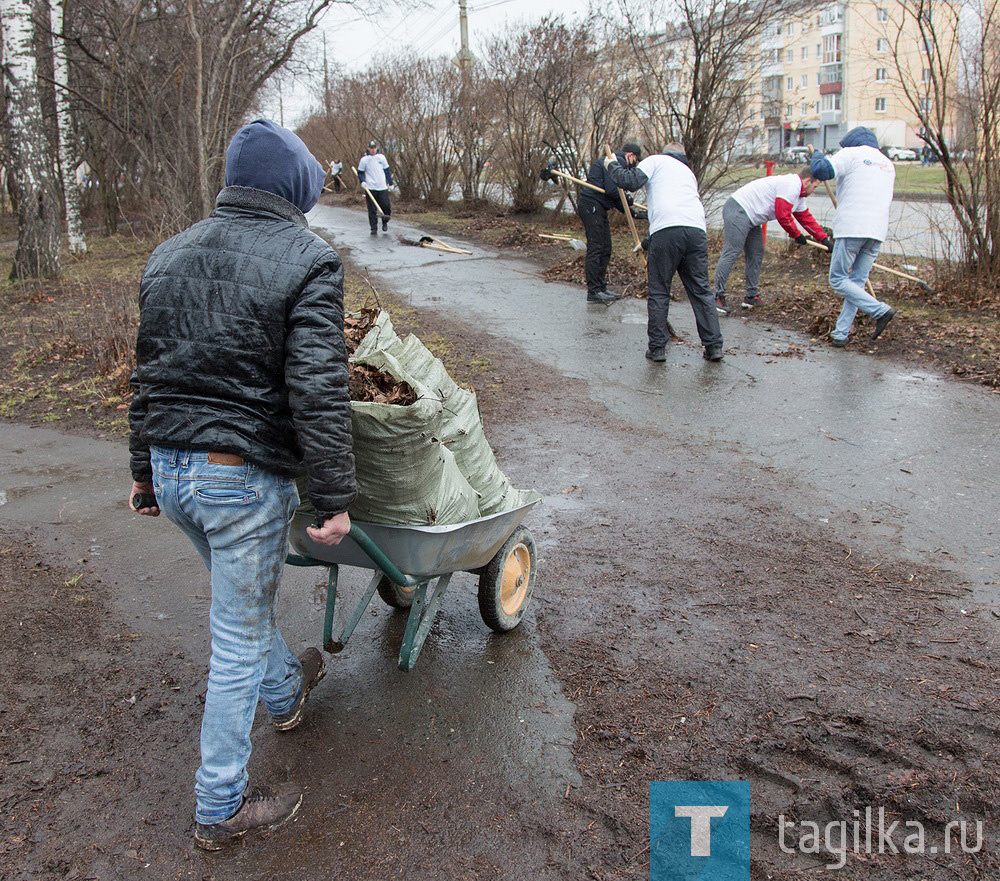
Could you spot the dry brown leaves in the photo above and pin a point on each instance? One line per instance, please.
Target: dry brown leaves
(366, 384)
(625, 276)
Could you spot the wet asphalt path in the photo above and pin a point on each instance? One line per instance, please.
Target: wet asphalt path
(481, 720)
(910, 453)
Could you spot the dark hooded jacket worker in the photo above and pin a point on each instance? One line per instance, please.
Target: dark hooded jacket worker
(240, 386)
(593, 209)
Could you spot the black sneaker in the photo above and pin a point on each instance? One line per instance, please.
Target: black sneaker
(882, 322)
(601, 297)
(712, 353)
(838, 344)
(659, 353)
(313, 670)
(750, 302)
(720, 305)
(611, 294)
(263, 809)
(374, 232)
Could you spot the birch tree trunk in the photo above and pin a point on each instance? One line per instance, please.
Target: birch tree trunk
(38, 232)
(67, 140)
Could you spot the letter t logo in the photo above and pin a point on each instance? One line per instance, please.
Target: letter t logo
(701, 825)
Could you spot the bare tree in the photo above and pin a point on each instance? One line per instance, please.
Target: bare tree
(510, 62)
(695, 74)
(38, 237)
(169, 83)
(67, 134)
(471, 134)
(957, 99)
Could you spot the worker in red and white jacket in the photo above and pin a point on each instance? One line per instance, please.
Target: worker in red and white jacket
(782, 198)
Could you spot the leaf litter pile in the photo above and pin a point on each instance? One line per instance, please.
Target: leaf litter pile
(365, 383)
(624, 275)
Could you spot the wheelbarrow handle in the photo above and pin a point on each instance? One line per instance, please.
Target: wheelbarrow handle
(375, 554)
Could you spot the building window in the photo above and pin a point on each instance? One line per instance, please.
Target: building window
(831, 49)
(805, 53)
(925, 105)
(926, 77)
(883, 14)
(881, 75)
(762, 117)
(805, 81)
(882, 45)
(830, 103)
(791, 28)
(819, 79)
(789, 84)
(819, 50)
(790, 56)
(880, 105)
(788, 111)
(803, 109)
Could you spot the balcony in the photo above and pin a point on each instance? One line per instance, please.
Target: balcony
(831, 88)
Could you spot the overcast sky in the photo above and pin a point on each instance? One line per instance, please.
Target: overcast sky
(432, 29)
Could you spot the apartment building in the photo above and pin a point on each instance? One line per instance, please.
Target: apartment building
(834, 66)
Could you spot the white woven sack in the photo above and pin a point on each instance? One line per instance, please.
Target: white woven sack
(405, 475)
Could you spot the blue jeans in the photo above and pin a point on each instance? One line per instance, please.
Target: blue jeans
(850, 264)
(237, 517)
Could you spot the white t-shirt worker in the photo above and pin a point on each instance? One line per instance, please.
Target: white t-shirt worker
(865, 181)
(677, 244)
(374, 174)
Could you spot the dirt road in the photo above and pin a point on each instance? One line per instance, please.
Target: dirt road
(734, 585)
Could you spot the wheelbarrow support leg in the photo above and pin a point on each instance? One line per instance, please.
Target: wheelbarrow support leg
(359, 610)
(331, 602)
(426, 603)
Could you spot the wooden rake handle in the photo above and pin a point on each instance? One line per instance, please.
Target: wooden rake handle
(626, 208)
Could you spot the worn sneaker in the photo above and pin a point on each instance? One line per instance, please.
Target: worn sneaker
(611, 294)
(601, 297)
(659, 353)
(712, 353)
(838, 343)
(882, 322)
(750, 302)
(313, 670)
(263, 809)
(720, 305)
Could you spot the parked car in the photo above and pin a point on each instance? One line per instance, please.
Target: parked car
(795, 155)
(900, 154)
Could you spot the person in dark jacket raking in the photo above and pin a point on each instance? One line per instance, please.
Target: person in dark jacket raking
(593, 209)
(240, 385)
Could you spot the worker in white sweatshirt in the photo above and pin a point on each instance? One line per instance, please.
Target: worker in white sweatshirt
(865, 180)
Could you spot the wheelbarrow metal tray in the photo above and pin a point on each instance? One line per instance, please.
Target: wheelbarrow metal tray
(420, 551)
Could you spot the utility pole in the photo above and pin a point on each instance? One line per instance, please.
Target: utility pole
(465, 59)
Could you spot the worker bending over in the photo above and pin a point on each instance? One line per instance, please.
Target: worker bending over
(781, 197)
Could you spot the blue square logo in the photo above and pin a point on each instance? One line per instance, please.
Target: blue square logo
(699, 830)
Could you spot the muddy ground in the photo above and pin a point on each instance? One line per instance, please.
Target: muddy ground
(700, 627)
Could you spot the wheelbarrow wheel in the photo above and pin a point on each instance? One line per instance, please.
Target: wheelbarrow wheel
(506, 582)
(394, 595)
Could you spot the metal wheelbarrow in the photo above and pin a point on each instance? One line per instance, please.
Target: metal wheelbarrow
(406, 559)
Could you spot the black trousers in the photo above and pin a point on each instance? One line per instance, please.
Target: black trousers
(682, 250)
(595, 224)
(382, 197)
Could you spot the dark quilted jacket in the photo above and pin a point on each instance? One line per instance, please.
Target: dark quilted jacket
(241, 347)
